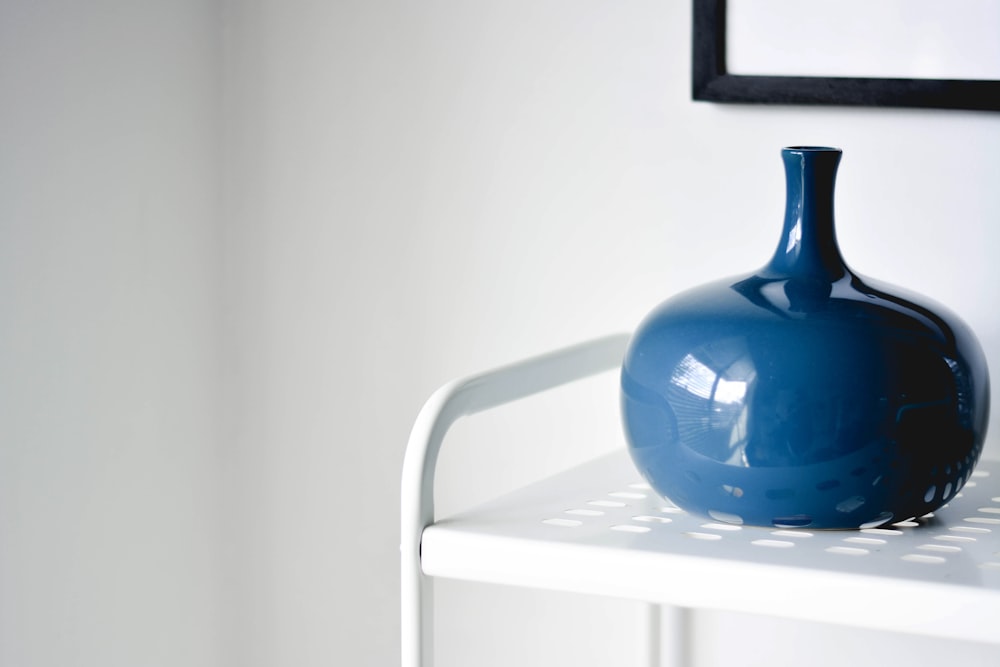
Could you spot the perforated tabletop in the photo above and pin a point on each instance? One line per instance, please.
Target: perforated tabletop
(598, 529)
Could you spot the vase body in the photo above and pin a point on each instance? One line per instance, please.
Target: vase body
(803, 394)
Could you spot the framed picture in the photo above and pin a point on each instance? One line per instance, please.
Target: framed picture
(960, 44)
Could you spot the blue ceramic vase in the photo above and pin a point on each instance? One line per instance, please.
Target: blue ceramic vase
(804, 394)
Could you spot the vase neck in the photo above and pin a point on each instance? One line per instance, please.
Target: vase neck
(808, 245)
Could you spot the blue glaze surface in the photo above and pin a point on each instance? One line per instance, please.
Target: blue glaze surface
(804, 394)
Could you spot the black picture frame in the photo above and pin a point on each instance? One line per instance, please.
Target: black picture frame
(711, 81)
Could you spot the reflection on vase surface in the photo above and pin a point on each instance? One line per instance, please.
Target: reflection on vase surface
(803, 396)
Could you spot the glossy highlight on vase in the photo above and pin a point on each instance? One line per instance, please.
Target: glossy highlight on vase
(804, 394)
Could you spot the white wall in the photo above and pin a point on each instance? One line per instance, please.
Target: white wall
(108, 301)
(218, 356)
(425, 190)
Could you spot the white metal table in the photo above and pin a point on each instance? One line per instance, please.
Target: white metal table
(599, 529)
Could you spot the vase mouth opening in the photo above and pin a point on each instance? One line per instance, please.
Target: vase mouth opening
(812, 149)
